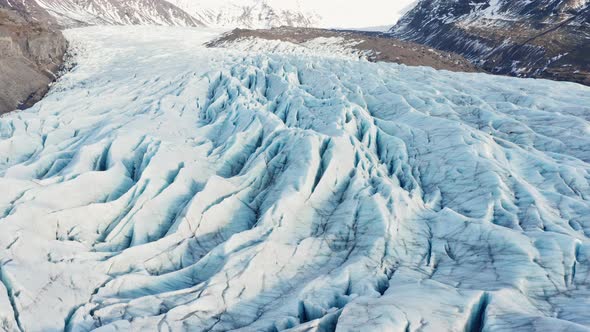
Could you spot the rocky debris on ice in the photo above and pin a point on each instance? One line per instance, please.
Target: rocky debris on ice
(375, 47)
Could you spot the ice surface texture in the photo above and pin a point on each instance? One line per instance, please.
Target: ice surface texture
(165, 186)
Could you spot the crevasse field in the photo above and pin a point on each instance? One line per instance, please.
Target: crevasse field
(165, 186)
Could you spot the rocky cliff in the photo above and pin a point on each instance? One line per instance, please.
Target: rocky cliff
(31, 54)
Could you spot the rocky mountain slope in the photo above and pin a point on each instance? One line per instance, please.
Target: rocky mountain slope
(31, 53)
(116, 12)
(545, 38)
(166, 186)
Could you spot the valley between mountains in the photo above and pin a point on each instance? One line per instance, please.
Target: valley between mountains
(165, 185)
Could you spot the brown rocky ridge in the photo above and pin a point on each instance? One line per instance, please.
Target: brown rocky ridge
(379, 47)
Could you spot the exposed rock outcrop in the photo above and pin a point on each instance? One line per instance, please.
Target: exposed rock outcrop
(31, 54)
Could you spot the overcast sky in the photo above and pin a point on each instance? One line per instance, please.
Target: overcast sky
(360, 13)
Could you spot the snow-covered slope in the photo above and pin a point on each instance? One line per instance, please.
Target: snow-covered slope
(254, 14)
(117, 12)
(229, 14)
(165, 186)
(374, 15)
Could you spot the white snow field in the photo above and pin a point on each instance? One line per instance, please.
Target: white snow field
(165, 186)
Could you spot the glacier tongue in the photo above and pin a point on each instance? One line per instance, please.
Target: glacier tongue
(165, 185)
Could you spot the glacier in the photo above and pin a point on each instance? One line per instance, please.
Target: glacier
(162, 185)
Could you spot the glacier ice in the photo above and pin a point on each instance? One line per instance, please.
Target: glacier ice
(164, 185)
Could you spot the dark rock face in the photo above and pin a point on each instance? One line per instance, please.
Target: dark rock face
(31, 54)
(543, 39)
(380, 47)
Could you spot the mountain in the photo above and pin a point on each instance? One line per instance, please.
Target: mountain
(241, 13)
(253, 14)
(31, 53)
(165, 186)
(545, 38)
(117, 12)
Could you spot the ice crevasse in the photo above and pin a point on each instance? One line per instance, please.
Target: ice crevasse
(165, 186)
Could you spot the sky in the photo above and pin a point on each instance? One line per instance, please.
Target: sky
(360, 13)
